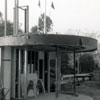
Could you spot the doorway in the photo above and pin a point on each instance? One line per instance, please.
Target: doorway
(52, 75)
(43, 68)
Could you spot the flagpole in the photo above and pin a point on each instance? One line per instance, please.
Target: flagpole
(45, 18)
(17, 16)
(5, 31)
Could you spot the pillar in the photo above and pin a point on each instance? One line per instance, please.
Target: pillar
(13, 71)
(6, 70)
(25, 73)
(19, 72)
(74, 85)
(57, 72)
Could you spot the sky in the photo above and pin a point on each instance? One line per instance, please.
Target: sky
(83, 15)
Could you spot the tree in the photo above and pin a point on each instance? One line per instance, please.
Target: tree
(87, 63)
(9, 27)
(66, 67)
(2, 25)
(40, 28)
(49, 23)
(34, 29)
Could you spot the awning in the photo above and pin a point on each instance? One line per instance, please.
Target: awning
(50, 41)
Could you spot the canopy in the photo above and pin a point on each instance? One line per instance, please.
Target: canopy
(50, 41)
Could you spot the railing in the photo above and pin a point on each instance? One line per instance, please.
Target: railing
(79, 77)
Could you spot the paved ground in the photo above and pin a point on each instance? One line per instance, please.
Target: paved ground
(90, 88)
(51, 96)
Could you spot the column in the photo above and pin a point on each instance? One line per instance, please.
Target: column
(57, 73)
(25, 73)
(13, 71)
(19, 72)
(6, 70)
(49, 73)
(74, 61)
(59, 70)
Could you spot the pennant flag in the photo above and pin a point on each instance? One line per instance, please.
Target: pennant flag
(39, 3)
(52, 5)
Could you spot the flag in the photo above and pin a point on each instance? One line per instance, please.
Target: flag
(39, 3)
(52, 5)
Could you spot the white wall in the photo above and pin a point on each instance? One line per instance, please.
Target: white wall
(6, 68)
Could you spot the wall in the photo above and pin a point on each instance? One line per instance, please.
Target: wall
(6, 69)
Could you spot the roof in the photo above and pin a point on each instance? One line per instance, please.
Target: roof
(51, 41)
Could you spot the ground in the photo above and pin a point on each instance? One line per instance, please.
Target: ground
(90, 88)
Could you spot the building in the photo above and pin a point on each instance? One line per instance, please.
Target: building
(24, 55)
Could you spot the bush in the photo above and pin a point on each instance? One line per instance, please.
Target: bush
(87, 63)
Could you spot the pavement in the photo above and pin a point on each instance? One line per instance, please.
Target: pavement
(51, 96)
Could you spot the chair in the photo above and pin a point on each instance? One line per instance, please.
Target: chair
(32, 84)
(42, 85)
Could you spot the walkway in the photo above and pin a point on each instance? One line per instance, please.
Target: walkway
(51, 96)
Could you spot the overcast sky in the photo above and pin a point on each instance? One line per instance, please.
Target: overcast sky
(82, 15)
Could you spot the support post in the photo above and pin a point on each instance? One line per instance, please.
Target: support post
(57, 74)
(49, 74)
(25, 73)
(59, 70)
(74, 87)
(19, 72)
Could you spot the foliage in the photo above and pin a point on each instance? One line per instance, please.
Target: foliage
(9, 27)
(65, 64)
(49, 23)
(34, 30)
(87, 63)
(2, 25)
(40, 28)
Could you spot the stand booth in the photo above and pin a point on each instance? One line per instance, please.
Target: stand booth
(24, 55)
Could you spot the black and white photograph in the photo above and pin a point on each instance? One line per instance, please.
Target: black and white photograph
(49, 49)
